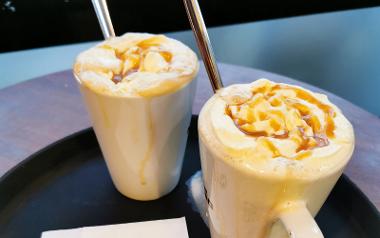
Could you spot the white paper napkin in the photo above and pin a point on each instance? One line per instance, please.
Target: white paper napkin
(169, 228)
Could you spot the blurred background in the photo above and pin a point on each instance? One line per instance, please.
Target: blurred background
(334, 45)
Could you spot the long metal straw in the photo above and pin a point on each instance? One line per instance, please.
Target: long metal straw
(197, 24)
(104, 18)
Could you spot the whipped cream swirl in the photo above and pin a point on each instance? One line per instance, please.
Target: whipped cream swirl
(266, 125)
(137, 65)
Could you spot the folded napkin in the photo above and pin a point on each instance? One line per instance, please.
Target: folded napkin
(170, 228)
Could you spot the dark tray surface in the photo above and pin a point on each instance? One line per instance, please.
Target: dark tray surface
(67, 185)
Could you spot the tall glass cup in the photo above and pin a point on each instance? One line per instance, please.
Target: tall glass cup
(141, 121)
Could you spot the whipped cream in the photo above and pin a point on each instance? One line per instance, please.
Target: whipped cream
(136, 65)
(276, 128)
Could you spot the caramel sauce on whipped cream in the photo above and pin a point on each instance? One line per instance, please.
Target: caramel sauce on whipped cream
(136, 65)
(282, 112)
(267, 126)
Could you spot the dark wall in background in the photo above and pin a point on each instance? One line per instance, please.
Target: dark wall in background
(36, 23)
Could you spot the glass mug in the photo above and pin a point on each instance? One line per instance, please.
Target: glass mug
(243, 202)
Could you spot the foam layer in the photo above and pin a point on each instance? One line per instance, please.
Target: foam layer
(136, 65)
(276, 129)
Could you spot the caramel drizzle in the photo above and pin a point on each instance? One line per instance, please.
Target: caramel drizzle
(138, 56)
(320, 135)
(328, 110)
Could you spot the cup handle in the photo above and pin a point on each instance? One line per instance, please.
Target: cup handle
(298, 222)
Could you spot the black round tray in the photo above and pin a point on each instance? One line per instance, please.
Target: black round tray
(67, 185)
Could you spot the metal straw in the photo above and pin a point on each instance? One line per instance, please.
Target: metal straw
(197, 24)
(104, 18)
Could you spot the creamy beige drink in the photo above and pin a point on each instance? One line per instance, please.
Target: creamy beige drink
(271, 154)
(139, 89)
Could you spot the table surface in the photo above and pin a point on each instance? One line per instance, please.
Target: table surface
(337, 51)
(38, 112)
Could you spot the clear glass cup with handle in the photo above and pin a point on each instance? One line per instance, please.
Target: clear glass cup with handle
(138, 90)
(270, 155)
